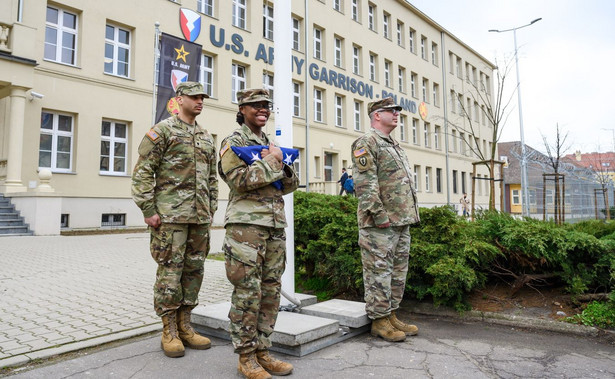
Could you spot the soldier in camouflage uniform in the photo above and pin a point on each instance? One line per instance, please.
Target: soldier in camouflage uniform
(254, 245)
(175, 184)
(387, 207)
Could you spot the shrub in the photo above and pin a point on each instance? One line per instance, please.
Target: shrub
(596, 313)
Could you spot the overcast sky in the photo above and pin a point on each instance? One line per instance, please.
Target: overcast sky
(566, 63)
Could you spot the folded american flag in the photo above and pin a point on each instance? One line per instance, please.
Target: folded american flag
(251, 154)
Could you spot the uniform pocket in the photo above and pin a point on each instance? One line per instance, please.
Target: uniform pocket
(161, 245)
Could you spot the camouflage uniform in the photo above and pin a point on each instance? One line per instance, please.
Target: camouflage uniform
(175, 177)
(384, 186)
(255, 241)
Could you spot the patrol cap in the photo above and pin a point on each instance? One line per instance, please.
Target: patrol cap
(386, 103)
(253, 95)
(190, 89)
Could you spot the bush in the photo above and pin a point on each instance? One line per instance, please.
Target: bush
(596, 313)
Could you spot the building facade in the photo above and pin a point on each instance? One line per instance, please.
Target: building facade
(77, 84)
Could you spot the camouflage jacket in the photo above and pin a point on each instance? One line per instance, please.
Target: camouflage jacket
(252, 198)
(175, 175)
(383, 182)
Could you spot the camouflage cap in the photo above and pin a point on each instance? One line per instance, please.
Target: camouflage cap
(386, 103)
(253, 95)
(190, 89)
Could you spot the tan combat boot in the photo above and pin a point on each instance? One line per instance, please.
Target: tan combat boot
(187, 334)
(382, 328)
(272, 365)
(249, 367)
(170, 343)
(410, 330)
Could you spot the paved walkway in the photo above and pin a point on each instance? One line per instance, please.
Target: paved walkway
(64, 293)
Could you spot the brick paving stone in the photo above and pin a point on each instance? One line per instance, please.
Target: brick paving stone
(39, 344)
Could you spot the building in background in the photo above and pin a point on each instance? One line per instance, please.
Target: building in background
(77, 85)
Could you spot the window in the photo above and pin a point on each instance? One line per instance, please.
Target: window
(434, 53)
(426, 134)
(476, 108)
(317, 43)
(328, 167)
(458, 67)
(417, 175)
(238, 80)
(318, 105)
(357, 116)
(64, 220)
(296, 34)
(400, 33)
(268, 21)
(425, 94)
(387, 73)
(483, 113)
(423, 47)
(386, 18)
(239, 13)
(371, 14)
(113, 219)
(372, 66)
(207, 74)
(338, 52)
(463, 182)
(205, 6)
(453, 144)
(296, 99)
(453, 99)
(516, 197)
(339, 111)
(61, 36)
(297, 164)
(436, 94)
(415, 139)
(56, 142)
(356, 60)
(455, 181)
(402, 128)
(462, 143)
(436, 137)
(113, 142)
(411, 35)
(117, 51)
(413, 78)
(354, 10)
(268, 83)
(438, 180)
(337, 5)
(427, 179)
(401, 79)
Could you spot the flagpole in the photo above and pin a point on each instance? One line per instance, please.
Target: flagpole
(156, 59)
(282, 101)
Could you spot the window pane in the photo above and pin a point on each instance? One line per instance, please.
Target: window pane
(45, 142)
(52, 15)
(63, 160)
(46, 121)
(68, 41)
(122, 69)
(63, 144)
(118, 164)
(70, 20)
(119, 149)
(109, 31)
(120, 131)
(104, 163)
(44, 159)
(122, 54)
(105, 128)
(104, 147)
(124, 36)
(64, 123)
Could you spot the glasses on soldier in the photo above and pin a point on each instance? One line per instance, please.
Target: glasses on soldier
(259, 106)
(394, 111)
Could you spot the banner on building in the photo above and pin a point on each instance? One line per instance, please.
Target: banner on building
(179, 62)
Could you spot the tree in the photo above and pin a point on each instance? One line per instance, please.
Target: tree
(600, 166)
(555, 153)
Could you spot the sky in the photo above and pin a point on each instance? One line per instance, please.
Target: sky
(566, 63)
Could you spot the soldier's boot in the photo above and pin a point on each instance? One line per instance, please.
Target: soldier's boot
(187, 333)
(409, 329)
(382, 328)
(249, 367)
(170, 342)
(273, 365)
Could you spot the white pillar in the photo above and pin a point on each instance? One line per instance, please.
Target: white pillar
(282, 101)
(17, 110)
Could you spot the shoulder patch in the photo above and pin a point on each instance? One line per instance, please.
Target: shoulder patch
(359, 152)
(225, 148)
(152, 135)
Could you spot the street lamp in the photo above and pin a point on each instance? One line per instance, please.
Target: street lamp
(524, 186)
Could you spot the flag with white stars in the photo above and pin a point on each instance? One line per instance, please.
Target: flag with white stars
(251, 154)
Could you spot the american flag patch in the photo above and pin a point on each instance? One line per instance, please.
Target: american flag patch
(152, 135)
(224, 149)
(359, 152)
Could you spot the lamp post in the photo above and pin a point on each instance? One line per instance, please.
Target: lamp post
(524, 184)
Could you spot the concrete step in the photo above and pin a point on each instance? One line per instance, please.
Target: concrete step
(7, 208)
(348, 313)
(13, 229)
(16, 234)
(9, 215)
(12, 222)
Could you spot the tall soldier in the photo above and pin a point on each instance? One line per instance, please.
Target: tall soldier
(175, 184)
(255, 242)
(387, 207)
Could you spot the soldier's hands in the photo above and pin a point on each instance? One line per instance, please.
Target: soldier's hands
(383, 226)
(274, 150)
(153, 221)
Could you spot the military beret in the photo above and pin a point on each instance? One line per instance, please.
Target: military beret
(253, 95)
(190, 89)
(386, 103)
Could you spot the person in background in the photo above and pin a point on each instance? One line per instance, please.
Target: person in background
(465, 205)
(342, 180)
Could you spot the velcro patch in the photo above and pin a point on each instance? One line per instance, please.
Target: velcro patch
(224, 149)
(359, 152)
(152, 135)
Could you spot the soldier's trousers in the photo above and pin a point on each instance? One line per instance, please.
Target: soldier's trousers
(255, 261)
(384, 253)
(180, 251)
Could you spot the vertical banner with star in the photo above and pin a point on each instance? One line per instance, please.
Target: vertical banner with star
(179, 62)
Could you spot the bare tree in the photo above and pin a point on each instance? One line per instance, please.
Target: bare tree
(555, 153)
(601, 169)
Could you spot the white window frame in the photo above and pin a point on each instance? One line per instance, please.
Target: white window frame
(268, 21)
(372, 67)
(427, 179)
(386, 20)
(387, 73)
(357, 116)
(206, 7)
(296, 34)
(424, 90)
(206, 68)
(337, 48)
(339, 111)
(238, 79)
(423, 51)
(60, 30)
(356, 60)
(116, 45)
(401, 79)
(317, 43)
(416, 173)
(318, 105)
(296, 99)
(112, 139)
(55, 134)
(436, 137)
(434, 53)
(426, 132)
(515, 197)
(337, 5)
(415, 137)
(354, 10)
(371, 16)
(436, 94)
(413, 78)
(411, 35)
(400, 33)
(402, 128)
(268, 82)
(239, 13)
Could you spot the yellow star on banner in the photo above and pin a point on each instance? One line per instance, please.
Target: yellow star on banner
(181, 54)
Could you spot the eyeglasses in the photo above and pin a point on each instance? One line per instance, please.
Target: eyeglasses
(394, 111)
(259, 106)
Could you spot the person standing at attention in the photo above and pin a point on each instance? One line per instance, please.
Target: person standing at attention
(255, 241)
(387, 207)
(175, 185)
